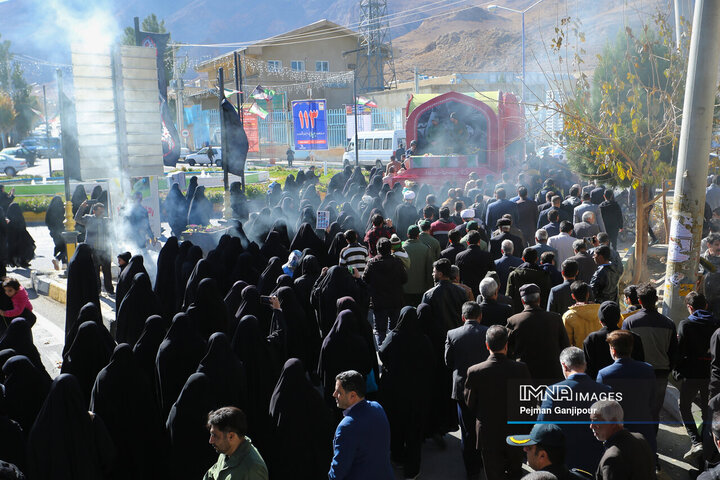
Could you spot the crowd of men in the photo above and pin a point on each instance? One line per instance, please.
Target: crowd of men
(337, 352)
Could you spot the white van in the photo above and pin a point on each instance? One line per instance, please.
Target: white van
(376, 147)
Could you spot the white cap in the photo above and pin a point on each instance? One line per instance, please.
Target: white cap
(409, 195)
(467, 213)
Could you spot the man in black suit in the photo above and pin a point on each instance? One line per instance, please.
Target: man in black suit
(504, 225)
(493, 312)
(454, 246)
(474, 263)
(597, 194)
(556, 201)
(528, 214)
(465, 347)
(560, 297)
(586, 263)
(537, 337)
(612, 216)
(627, 455)
(500, 460)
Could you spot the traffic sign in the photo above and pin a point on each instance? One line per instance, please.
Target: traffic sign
(185, 133)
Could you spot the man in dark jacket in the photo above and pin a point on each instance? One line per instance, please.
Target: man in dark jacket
(500, 207)
(528, 213)
(573, 200)
(604, 282)
(537, 337)
(595, 345)
(385, 276)
(553, 226)
(494, 312)
(465, 347)
(507, 263)
(493, 375)
(474, 263)
(560, 297)
(613, 217)
(445, 298)
(582, 450)
(693, 365)
(528, 272)
(504, 226)
(405, 214)
(627, 455)
(596, 194)
(585, 261)
(454, 246)
(556, 201)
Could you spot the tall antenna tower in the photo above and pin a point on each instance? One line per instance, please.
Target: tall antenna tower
(375, 63)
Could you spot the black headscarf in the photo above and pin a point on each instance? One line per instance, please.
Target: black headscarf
(232, 302)
(303, 335)
(123, 397)
(238, 201)
(183, 251)
(190, 454)
(176, 207)
(19, 337)
(250, 305)
(178, 357)
(67, 442)
(244, 269)
(82, 287)
(208, 313)
(146, 348)
(307, 238)
(283, 280)
(363, 328)
(138, 304)
(225, 371)
(86, 357)
(203, 269)
(165, 279)
(336, 283)
(78, 197)
(192, 186)
(5, 355)
(301, 431)
(96, 191)
(343, 349)
(12, 442)
(91, 313)
(269, 276)
(21, 245)
(303, 284)
(55, 215)
(273, 246)
(200, 209)
(336, 246)
(125, 279)
(25, 390)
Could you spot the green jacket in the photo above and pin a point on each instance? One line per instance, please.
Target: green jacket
(432, 244)
(420, 271)
(244, 464)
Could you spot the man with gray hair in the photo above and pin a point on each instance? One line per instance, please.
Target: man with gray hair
(587, 228)
(493, 312)
(536, 336)
(582, 451)
(541, 239)
(507, 263)
(627, 454)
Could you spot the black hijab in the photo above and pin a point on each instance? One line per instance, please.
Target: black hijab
(5, 355)
(200, 209)
(19, 337)
(180, 258)
(232, 301)
(283, 280)
(178, 357)
(208, 313)
(336, 283)
(203, 269)
(273, 246)
(303, 336)
(301, 431)
(190, 454)
(176, 209)
(307, 238)
(343, 349)
(245, 269)
(123, 398)
(250, 305)
(125, 279)
(146, 349)
(78, 197)
(336, 246)
(91, 313)
(192, 186)
(303, 284)
(82, 287)
(363, 328)
(268, 277)
(165, 279)
(225, 371)
(138, 304)
(67, 442)
(25, 390)
(86, 357)
(55, 215)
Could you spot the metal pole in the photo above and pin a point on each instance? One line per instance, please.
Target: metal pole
(239, 99)
(179, 104)
(693, 154)
(522, 90)
(354, 104)
(227, 214)
(69, 235)
(47, 132)
(417, 81)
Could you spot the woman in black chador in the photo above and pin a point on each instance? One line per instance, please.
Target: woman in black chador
(67, 442)
(25, 390)
(208, 313)
(138, 304)
(82, 287)
(225, 371)
(200, 208)
(301, 433)
(165, 279)
(21, 246)
(176, 208)
(86, 357)
(146, 349)
(54, 220)
(18, 337)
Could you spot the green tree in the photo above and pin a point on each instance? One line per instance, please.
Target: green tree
(5, 65)
(622, 126)
(152, 25)
(7, 116)
(25, 103)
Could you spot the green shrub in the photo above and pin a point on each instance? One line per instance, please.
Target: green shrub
(35, 204)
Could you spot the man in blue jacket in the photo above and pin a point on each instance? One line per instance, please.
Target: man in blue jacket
(582, 450)
(362, 439)
(500, 207)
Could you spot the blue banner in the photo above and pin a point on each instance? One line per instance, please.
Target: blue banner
(310, 124)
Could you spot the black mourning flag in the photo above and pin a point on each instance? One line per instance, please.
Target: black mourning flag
(170, 137)
(69, 133)
(236, 141)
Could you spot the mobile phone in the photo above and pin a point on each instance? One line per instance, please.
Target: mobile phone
(264, 299)
(351, 270)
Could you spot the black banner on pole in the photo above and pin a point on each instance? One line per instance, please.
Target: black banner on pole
(69, 133)
(236, 143)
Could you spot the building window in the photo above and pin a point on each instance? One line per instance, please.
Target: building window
(322, 66)
(274, 65)
(298, 66)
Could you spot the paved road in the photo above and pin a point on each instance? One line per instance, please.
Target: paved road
(437, 464)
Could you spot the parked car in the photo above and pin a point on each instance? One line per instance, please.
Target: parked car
(11, 165)
(20, 152)
(200, 157)
(184, 152)
(43, 146)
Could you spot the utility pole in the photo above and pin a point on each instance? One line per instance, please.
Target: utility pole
(239, 99)
(693, 154)
(47, 133)
(179, 101)
(417, 80)
(355, 107)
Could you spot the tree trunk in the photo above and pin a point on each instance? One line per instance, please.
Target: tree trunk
(641, 233)
(666, 221)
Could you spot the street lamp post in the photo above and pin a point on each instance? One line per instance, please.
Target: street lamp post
(492, 8)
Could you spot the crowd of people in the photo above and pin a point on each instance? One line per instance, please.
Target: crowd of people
(299, 352)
